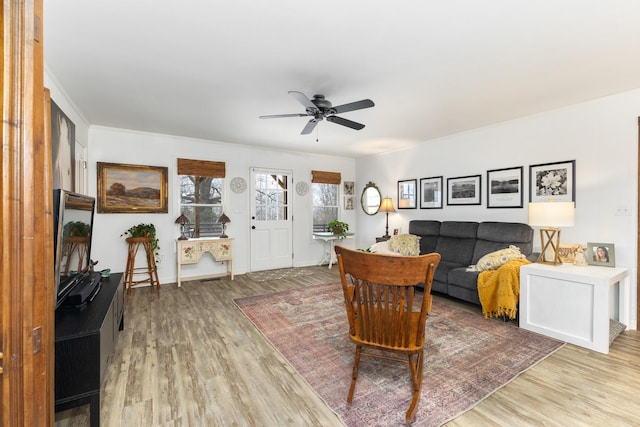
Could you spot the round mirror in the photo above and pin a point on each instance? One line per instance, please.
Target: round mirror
(370, 199)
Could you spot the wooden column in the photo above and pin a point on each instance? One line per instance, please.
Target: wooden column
(26, 282)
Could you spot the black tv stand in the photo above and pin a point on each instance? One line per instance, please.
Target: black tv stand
(84, 341)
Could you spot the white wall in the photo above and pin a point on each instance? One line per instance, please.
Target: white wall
(124, 146)
(600, 135)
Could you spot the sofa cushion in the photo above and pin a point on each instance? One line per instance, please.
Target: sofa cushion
(442, 272)
(429, 231)
(493, 236)
(463, 278)
(405, 244)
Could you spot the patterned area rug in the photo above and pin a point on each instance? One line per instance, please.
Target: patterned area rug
(467, 357)
(281, 273)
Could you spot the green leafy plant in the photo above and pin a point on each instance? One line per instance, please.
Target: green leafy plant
(337, 227)
(145, 230)
(76, 229)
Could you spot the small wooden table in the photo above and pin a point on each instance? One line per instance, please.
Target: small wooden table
(190, 251)
(330, 240)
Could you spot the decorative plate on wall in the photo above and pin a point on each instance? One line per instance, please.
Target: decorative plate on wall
(238, 185)
(302, 188)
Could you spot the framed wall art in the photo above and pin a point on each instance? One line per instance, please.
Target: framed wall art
(504, 188)
(63, 148)
(349, 188)
(124, 188)
(431, 193)
(601, 254)
(407, 194)
(464, 190)
(553, 182)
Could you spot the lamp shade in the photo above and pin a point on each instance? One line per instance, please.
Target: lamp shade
(182, 219)
(386, 205)
(224, 219)
(552, 214)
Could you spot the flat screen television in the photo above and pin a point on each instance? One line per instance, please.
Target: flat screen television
(72, 231)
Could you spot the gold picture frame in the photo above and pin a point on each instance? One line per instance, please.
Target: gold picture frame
(124, 188)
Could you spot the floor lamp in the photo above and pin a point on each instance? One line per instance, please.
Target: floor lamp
(550, 216)
(386, 206)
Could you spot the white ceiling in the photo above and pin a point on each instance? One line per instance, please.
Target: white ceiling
(207, 69)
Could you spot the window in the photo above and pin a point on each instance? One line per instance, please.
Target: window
(324, 194)
(201, 191)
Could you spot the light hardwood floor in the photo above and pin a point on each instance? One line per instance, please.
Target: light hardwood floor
(189, 357)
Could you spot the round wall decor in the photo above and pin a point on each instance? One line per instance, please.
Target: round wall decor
(302, 188)
(238, 185)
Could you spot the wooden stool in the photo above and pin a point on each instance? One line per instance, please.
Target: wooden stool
(151, 269)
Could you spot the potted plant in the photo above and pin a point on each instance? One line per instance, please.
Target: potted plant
(337, 227)
(144, 231)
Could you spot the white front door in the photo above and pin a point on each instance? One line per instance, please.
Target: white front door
(271, 237)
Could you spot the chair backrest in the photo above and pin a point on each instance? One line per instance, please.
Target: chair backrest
(380, 296)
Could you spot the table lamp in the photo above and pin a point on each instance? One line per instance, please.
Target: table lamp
(224, 220)
(550, 216)
(386, 206)
(184, 222)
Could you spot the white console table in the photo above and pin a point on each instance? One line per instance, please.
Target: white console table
(572, 303)
(329, 243)
(190, 251)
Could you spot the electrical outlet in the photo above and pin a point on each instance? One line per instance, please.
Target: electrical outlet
(622, 211)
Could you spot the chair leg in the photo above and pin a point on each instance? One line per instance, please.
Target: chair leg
(354, 374)
(416, 378)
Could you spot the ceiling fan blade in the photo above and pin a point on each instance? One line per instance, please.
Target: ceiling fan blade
(310, 126)
(302, 99)
(344, 122)
(277, 116)
(358, 105)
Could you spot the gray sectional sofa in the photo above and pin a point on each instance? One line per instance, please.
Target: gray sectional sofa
(463, 243)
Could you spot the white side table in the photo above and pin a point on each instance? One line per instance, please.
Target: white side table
(572, 303)
(330, 240)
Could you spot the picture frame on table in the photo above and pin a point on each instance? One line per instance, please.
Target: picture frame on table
(553, 182)
(464, 190)
(125, 188)
(567, 252)
(407, 194)
(603, 254)
(504, 188)
(431, 192)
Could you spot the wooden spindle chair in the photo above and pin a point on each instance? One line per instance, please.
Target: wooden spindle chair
(385, 312)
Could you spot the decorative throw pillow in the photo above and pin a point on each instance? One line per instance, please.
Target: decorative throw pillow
(382, 248)
(405, 244)
(494, 260)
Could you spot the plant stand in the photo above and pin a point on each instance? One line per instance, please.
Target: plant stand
(151, 269)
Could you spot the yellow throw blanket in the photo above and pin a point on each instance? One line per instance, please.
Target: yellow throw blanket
(499, 290)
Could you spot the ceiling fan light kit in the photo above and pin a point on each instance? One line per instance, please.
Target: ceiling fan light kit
(320, 108)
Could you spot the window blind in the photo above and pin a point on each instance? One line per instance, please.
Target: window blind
(322, 177)
(201, 168)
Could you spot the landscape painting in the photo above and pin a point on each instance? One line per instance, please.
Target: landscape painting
(126, 188)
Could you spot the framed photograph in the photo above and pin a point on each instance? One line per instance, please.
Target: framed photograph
(407, 194)
(431, 193)
(464, 190)
(567, 252)
(126, 188)
(553, 181)
(348, 203)
(601, 254)
(504, 188)
(349, 188)
(63, 148)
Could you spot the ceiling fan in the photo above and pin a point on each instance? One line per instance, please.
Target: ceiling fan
(320, 108)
